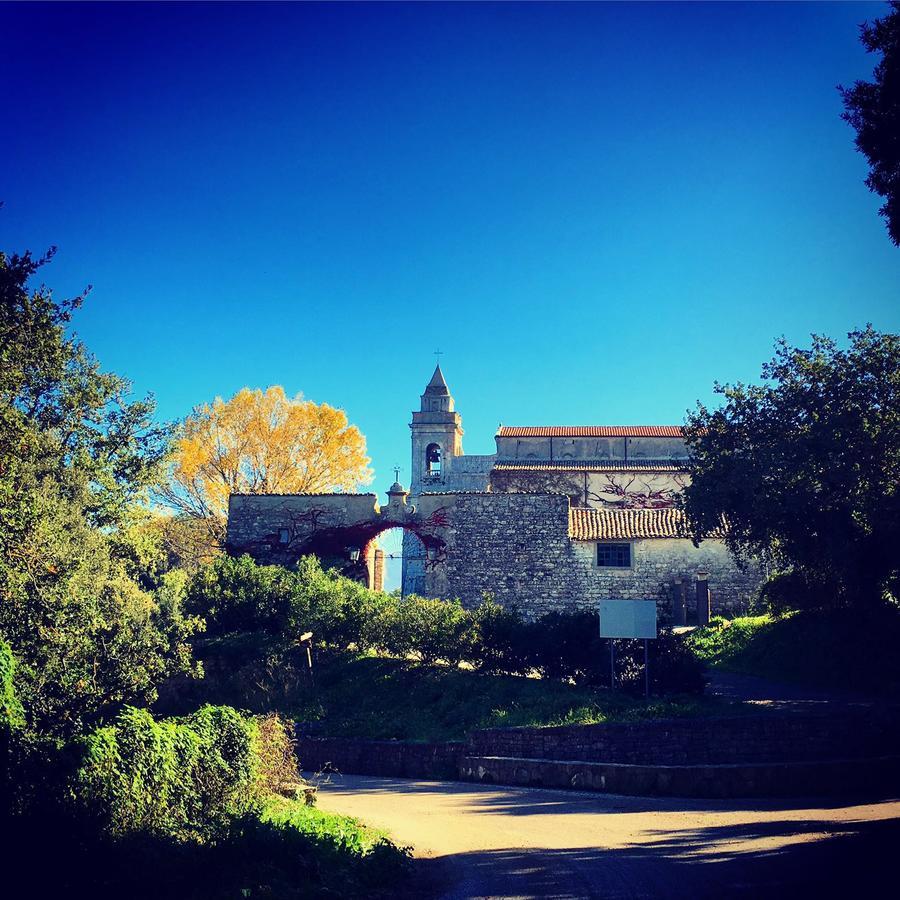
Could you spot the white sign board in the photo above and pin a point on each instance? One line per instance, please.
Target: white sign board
(628, 618)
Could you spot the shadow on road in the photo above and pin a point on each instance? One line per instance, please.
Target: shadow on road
(857, 861)
(523, 801)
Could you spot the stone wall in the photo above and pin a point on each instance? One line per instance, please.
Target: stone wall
(656, 562)
(631, 447)
(395, 759)
(514, 546)
(776, 755)
(739, 740)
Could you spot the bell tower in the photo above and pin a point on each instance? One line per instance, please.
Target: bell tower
(436, 437)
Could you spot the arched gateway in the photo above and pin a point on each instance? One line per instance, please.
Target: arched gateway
(339, 528)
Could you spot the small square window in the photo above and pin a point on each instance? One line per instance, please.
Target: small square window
(616, 556)
(284, 536)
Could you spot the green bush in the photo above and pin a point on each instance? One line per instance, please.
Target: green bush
(341, 613)
(236, 594)
(181, 778)
(501, 639)
(432, 629)
(795, 589)
(11, 715)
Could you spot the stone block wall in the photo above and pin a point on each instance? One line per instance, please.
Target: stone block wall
(776, 755)
(656, 562)
(393, 759)
(738, 740)
(514, 546)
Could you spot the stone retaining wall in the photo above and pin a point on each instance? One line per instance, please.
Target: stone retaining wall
(399, 759)
(750, 757)
(790, 779)
(745, 739)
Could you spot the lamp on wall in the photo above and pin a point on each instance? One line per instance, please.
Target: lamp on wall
(432, 553)
(354, 554)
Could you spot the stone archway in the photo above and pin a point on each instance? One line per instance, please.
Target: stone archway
(282, 528)
(335, 547)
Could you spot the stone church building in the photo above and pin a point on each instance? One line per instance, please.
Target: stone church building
(557, 518)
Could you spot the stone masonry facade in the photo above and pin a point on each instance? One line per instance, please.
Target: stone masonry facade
(558, 519)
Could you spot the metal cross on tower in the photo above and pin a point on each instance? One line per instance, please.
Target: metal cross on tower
(397, 473)
(439, 353)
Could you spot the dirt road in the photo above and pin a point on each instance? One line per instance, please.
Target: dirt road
(506, 842)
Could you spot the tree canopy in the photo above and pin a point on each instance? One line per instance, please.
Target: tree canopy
(91, 617)
(873, 109)
(261, 442)
(805, 467)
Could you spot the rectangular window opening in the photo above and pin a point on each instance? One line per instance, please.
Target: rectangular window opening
(616, 556)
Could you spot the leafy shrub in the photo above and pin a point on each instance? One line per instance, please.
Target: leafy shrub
(11, 715)
(567, 645)
(182, 778)
(341, 612)
(433, 629)
(501, 639)
(674, 669)
(236, 594)
(276, 758)
(796, 589)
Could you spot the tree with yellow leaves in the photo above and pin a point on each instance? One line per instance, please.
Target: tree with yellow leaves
(261, 442)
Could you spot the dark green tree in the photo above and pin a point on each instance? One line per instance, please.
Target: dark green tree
(805, 467)
(92, 619)
(873, 109)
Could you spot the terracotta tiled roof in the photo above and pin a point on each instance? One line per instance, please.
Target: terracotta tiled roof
(591, 431)
(591, 465)
(627, 524)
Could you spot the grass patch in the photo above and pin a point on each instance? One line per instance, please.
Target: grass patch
(842, 648)
(377, 697)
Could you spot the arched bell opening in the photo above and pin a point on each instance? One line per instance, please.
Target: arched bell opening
(433, 460)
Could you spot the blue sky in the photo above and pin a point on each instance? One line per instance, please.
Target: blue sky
(594, 210)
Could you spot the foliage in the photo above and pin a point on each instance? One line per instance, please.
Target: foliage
(432, 629)
(841, 649)
(499, 645)
(181, 779)
(11, 715)
(261, 442)
(805, 467)
(79, 587)
(236, 594)
(725, 639)
(240, 595)
(873, 109)
(146, 808)
(378, 697)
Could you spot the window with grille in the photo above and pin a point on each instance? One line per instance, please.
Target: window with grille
(614, 555)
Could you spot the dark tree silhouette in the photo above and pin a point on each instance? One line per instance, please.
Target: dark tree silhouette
(873, 109)
(805, 467)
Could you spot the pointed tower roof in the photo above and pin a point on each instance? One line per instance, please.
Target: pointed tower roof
(437, 385)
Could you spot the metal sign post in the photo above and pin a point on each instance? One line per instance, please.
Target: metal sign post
(628, 619)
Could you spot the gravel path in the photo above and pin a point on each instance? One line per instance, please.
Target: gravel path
(507, 842)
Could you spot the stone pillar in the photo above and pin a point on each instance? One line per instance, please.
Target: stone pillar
(703, 598)
(679, 602)
(378, 571)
